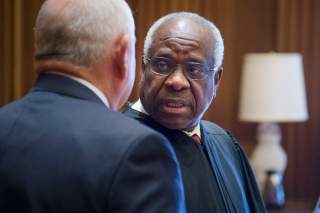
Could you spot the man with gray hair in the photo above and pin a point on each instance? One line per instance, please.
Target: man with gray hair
(63, 148)
(182, 68)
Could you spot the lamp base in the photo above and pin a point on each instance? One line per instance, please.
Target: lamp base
(268, 155)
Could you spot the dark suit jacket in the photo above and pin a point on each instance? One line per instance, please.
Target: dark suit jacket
(217, 177)
(62, 150)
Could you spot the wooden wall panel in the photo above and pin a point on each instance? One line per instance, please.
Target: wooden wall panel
(299, 31)
(16, 47)
(6, 27)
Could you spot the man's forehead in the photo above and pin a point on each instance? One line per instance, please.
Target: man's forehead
(186, 26)
(183, 30)
(180, 40)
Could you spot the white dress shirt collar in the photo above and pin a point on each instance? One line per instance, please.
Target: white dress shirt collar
(139, 107)
(87, 84)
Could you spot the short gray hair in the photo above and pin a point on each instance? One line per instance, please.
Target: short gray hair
(218, 49)
(81, 30)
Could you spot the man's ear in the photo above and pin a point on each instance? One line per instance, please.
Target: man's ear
(218, 76)
(120, 57)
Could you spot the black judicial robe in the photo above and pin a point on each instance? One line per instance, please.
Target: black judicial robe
(216, 175)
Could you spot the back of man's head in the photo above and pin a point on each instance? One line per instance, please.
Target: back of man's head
(79, 31)
(90, 39)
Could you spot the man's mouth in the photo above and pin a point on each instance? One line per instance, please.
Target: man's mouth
(174, 106)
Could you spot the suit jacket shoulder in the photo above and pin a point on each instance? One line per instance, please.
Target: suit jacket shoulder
(64, 150)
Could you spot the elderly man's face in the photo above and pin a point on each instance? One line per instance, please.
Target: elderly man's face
(178, 99)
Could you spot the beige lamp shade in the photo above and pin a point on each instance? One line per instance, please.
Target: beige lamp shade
(272, 88)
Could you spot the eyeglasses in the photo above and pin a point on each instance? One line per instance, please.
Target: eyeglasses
(165, 66)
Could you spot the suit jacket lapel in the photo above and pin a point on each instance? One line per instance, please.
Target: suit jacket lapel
(64, 86)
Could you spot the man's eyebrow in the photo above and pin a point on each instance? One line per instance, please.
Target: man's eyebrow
(194, 59)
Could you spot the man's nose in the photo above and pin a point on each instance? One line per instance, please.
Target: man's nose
(177, 80)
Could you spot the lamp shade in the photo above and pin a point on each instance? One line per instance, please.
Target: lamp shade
(272, 88)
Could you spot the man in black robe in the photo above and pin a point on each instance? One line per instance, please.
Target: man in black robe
(182, 69)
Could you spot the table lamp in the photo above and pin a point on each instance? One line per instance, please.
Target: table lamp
(272, 91)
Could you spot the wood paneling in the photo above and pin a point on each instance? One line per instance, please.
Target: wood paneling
(6, 53)
(246, 25)
(299, 31)
(17, 19)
